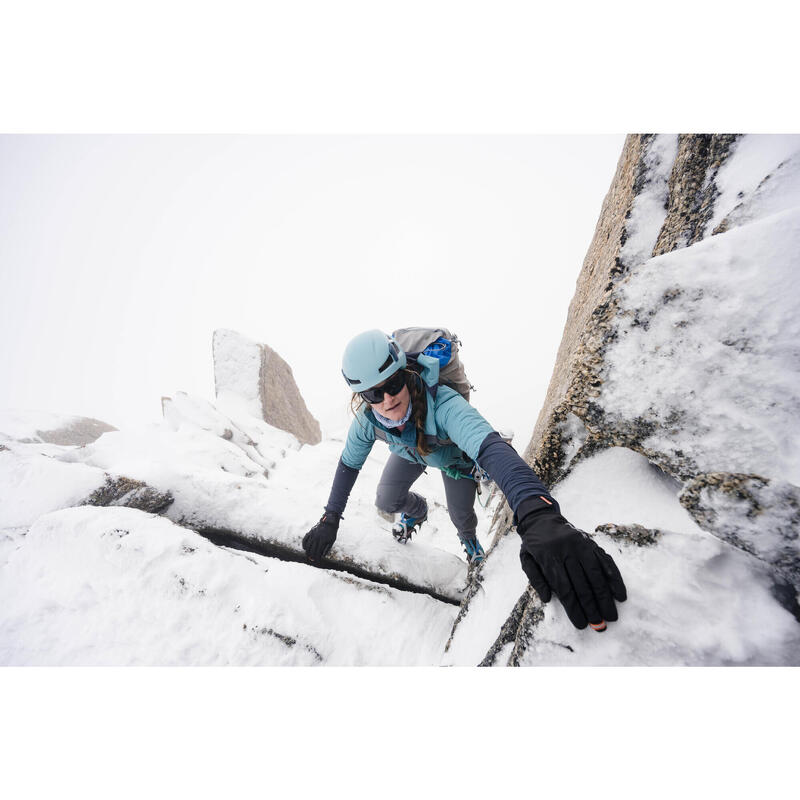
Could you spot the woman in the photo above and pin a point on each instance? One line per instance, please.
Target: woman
(427, 424)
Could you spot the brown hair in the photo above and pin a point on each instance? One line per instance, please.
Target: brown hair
(419, 407)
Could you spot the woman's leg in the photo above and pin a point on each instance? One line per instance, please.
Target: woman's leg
(393, 493)
(460, 505)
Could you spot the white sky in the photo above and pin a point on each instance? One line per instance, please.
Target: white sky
(120, 255)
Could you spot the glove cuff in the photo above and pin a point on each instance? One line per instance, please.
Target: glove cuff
(331, 517)
(534, 505)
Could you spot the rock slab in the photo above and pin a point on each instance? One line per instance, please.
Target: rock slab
(258, 375)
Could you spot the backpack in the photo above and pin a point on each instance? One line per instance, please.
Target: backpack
(441, 344)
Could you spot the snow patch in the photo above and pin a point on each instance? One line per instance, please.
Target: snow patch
(32, 484)
(237, 368)
(116, 586)
(753, 158)
(708, 346)
(692, 599)
(573, 435)
(649, 208)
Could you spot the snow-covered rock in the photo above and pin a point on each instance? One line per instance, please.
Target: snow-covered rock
(33, 483)
(692, 598)
(758, 515)
(60, 429)
(682, 339)
(684, 321)
(260, 378)
(117, 586)
(681, 345)
(207, 470)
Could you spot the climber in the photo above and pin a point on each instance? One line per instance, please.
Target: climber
(426, 424)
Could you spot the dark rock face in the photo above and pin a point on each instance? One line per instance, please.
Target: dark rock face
(693, 189)
(121, 491)
(630, 534)
(518, 631)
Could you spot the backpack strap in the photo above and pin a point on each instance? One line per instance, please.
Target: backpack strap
(380, 434)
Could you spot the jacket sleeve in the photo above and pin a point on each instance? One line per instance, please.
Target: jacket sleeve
(343, 481)
(360, 439)
(466, 427)
(517, 481)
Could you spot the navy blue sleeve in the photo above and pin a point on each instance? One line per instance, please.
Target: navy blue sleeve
(517, 481)
(343, 482)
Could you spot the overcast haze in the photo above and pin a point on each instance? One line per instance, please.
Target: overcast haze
(120, 255)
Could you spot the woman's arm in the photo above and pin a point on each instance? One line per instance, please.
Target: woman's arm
(463, 424)
(557, 557)
(517, 481)
(360, 438)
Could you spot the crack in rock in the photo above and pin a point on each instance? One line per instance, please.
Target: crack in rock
(282, 552)
(289, 641)
(508, 631)
(474, 585)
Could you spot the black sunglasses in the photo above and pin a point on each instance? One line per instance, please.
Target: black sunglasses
(392, 387)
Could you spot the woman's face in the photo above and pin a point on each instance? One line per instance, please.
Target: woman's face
(394, 407)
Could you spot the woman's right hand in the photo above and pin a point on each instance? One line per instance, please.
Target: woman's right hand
(319, 540)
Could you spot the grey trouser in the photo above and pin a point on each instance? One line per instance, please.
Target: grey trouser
(393, 495)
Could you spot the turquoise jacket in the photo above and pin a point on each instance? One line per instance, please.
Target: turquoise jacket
(452, 425)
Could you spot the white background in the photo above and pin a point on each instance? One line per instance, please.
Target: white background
(121, 255)
(372, 67)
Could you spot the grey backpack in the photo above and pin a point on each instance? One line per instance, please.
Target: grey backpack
(441, 344)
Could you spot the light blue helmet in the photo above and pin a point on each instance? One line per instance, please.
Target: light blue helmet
(370, 358)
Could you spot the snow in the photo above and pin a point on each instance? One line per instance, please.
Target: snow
(237, 368)
(573, 434)
(761, 518)
(33, 483)
(215, 485)
(86, 585)
(117, 586)
(711, 333)
(779, 192)
(649, 207)
(505, 582)
(620, 486)
(692, 599)
(753, 158)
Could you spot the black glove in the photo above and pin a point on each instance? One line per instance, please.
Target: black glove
(558, 558)
(319, 540)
